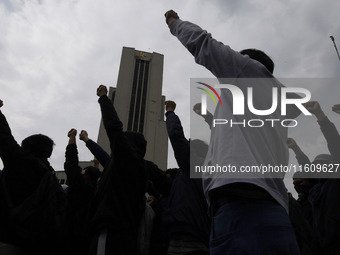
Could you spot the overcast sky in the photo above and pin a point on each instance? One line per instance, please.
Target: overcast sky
(54, 54)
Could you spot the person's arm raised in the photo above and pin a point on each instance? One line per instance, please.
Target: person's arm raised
(9, 148)
(180, 144)
(95, 149)
(217, 57)
(112, 124)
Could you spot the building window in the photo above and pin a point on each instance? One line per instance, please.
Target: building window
(143, 105)
(138, 96)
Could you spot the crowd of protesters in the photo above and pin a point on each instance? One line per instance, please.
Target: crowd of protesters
(108, 212)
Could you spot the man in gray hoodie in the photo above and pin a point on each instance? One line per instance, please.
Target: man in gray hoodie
(249, 209)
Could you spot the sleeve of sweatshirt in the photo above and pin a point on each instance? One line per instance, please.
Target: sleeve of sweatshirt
(112, 124)
(72, 169)
(179, 143)
(332, 137)
(209, 119)
(158, 178)
(98, 152)
(218, 58)
(303, 159)
(9, 148)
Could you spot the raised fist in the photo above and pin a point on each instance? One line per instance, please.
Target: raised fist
(170, 105)
(313, 107)
(336, 108)
(198, 109)
(101, 90)
(170, 16)
(72, 132)
(83, 136)
(291, 143)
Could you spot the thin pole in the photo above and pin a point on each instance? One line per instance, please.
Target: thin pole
(332, 38)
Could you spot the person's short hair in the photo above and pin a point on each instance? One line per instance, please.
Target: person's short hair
(298, 175)
(172, 172)
(261, 57)
(93, 173)
(306, 177)
(199, 147)
(39, 145)
(322, 159)
(138, 140)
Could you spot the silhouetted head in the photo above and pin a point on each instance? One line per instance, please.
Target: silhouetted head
(92, 173)
(39, 145)
(261, 57)
(138, 140)
(171, 173)
(302, 184)
(322, 159)
(300, 178)
(199, 148)
(298, 175)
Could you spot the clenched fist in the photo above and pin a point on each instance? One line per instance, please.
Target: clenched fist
(101, 90)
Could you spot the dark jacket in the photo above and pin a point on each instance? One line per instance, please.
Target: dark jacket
(304, 205)
(32, 201)
(305, 236)
(98, 152)
(324, 197)
(80, 193)
(332, 137)
(119, 200)
(187, 210)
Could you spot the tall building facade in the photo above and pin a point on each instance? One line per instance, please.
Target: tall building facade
(139, 102)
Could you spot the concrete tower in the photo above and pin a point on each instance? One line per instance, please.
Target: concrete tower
(139, 102)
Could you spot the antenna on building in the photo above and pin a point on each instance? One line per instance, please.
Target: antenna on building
(332, 38)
